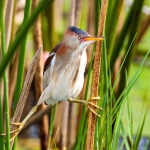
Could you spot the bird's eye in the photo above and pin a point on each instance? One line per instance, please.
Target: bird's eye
(80, 38)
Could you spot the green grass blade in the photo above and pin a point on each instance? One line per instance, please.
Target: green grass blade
(22, 54)
(136, 8)
(22, 31)
(84, 135)
(118, 117)
(114, 142)
(53, 111)
(111, 27)
(130, 85)
(106, 89)
(139, 133)
(117, 76)
(133, 29)
(1, 127)
(130, 121)
(6, 101)
(6, 104)
(97, 13)
(124, 141)
(21, 64)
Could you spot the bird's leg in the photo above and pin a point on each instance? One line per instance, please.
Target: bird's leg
(21, 124)
(87, 103)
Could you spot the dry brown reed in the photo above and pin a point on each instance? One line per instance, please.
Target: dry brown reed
(95, 79)
(25, 91)
(38, 79)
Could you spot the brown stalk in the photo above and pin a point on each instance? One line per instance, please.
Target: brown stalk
(12, 68)
(64, 126)
(78, 8)
(25, 91)
(72, 13)
(8, 23)
(38, 79)
(75, 12)
(9, 5)
(65, 113)
(13, 77)
(95, 79)
(8, 19)
(144, 26)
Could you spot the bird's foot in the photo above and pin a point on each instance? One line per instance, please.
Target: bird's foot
(21, 124)
(88, 104)
(95, 98)
(89, 101)
(15, 132)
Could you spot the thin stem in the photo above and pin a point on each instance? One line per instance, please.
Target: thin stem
(8, 20)
(1, 127)
(38, 79)
(6, 103)
(22, 54)
(52, 121)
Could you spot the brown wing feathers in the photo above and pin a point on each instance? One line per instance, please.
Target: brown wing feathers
(50, 57)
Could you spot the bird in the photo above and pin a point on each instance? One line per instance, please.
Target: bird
(63, 74)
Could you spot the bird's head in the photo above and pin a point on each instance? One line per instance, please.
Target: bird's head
(77, 39)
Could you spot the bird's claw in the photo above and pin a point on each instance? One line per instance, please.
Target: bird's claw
(89, 105)
(16, 131)
(95, 98)
(15, 123)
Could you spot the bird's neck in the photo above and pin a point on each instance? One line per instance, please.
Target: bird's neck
(69, 58)
(66, 50)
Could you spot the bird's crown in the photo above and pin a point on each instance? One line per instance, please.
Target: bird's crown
(78, 31)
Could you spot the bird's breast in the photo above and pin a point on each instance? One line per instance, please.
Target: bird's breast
(67, 78)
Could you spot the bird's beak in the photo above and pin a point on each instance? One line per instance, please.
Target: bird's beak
(96, 38)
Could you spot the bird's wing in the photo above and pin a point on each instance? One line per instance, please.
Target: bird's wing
(46, 73)
(50, 57)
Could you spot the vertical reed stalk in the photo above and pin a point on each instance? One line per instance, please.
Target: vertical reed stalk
(95, 79)
(1, 127)
(64, 126)
(38, 78)
(52, 121)
(143, 28)
(65, 114)
(8, 19)
(6, 102)
(22, 54)
(21, 61)
(72, 13)
(14, 63)
(72, 115)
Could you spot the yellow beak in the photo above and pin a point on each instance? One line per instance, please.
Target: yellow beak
(96, 38)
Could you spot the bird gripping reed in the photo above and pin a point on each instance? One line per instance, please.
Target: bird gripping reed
(95, 79)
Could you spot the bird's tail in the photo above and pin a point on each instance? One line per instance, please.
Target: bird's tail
(46, 99)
